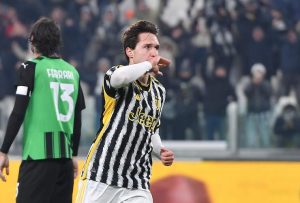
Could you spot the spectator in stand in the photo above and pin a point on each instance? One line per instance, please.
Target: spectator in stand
(218, 94)
(287, 127)
(259, 50)
(290, 64)
(188, 97)
(258, 93)
(223, 42)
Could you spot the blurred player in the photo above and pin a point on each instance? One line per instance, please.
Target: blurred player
(49, 100)
(118, 166)
(180, 189)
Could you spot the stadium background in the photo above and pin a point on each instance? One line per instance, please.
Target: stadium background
(241, 145)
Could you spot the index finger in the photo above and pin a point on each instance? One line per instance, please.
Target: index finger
(2, 177)
(7, 170)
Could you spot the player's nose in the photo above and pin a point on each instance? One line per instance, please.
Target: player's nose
(153, 52)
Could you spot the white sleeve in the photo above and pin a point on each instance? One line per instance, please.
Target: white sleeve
(127, 74)
(157, 145)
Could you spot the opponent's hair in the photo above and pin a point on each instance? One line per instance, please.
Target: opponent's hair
(45, 36)
(131, 35)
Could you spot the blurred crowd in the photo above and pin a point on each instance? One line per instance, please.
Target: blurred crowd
(222, 51)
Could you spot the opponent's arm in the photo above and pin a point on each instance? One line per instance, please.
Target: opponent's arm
(80, 105)
(25, 83)
(14, 123)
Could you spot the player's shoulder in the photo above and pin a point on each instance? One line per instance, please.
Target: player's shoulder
(27, 65)
(112, 69)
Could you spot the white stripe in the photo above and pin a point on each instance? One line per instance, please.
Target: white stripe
(22, 90)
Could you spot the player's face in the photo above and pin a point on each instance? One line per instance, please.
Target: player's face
(146, 49)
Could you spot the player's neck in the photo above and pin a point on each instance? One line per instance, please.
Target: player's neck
(36, 55)
(144, 79)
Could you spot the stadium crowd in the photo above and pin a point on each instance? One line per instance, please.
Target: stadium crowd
(222, 51)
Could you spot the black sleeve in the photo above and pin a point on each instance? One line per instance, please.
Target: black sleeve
(14, 122)
(77, 132)
(25, 77)
(80, 105)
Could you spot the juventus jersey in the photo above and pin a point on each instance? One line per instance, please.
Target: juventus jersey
(121, 153)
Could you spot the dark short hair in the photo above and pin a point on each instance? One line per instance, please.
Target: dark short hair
(45, 36)
(131, 34)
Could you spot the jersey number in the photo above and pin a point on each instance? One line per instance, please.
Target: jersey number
(67, 90)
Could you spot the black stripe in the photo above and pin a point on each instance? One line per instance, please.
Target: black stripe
(62, 142)
(152, 100)
(130, 156)
(137, 157)
(102, 142)
(161, 96)
(49, 145)
(116, 135)
(144, 161)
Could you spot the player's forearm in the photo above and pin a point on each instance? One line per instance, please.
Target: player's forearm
(157, 145)
(15, 121)
(76, 132)
(127, 74)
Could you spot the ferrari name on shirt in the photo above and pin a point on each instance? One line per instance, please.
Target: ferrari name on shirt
(60, 74)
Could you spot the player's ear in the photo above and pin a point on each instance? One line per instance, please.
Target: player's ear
(129, 52)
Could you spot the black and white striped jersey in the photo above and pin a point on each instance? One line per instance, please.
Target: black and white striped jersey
(121, 153)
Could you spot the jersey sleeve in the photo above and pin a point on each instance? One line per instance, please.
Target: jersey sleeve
(110, 90)
(25, 78)
(80, 103)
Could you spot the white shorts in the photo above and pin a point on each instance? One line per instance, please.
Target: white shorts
(96, 192)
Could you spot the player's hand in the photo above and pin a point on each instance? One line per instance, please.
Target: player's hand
(166, 156)
(163, 62)
(4, 163)
(75, 167)
(158, 63)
